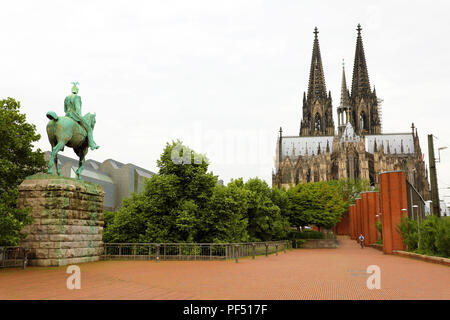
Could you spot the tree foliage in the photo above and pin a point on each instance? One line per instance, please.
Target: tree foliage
(350, 189)
(184, 203)
(17, 161)
(265, 221)
(316, 203)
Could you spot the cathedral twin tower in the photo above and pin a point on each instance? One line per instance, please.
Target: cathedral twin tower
(358, 150)
(359, 108)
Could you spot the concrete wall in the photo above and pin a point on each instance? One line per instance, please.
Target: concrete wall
(321, 244)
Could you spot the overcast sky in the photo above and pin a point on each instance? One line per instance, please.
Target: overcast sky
(222, 76)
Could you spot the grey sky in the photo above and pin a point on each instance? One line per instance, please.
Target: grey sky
(222, 76)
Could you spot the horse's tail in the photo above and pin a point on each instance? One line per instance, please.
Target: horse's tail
(52, 115)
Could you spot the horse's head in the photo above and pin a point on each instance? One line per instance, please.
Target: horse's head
(90, 118)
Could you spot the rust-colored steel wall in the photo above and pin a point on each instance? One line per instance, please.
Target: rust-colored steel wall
(373, 211)
(365, 216)
(393, 200)
(342, 228)
(352, 222)
(358, 218)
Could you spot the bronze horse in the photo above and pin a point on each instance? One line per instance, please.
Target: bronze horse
(64, 131)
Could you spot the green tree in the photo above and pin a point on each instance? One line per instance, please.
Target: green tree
(226, 217)
(298, 216)
(280, 198)
(350, 188)
(265, 221)
(318, 203)
(171, 207)
(17, 161)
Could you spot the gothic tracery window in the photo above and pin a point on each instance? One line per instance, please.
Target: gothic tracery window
(317, 123)
(362, 121)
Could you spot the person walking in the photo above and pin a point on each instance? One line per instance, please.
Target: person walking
(361, 241)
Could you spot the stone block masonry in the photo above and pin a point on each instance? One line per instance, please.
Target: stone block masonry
(67, 220)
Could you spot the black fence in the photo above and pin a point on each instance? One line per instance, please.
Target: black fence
(13, 257)
(191, 251)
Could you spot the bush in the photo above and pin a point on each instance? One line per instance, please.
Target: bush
(443, 237)
(408, 230)
(108, 218)
(298, 243)
(428, 231)
(431, 237)
(379, 227)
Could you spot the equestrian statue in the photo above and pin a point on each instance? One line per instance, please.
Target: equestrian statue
(72, 130)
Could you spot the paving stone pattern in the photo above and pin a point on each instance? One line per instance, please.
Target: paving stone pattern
(297, 274)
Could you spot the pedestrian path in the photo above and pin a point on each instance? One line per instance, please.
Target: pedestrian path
(297, 274)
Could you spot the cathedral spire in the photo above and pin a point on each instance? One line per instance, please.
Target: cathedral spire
(316, 86)
(345, 97)
(360, 81)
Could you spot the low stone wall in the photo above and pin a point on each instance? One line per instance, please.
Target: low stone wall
(68, 220)
(320, 244)
(422, 257)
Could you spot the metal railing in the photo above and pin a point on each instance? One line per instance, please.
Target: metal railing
(13, 257)
(191, 251)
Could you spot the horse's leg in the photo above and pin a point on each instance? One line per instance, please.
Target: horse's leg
(50, 162)
(58, 172)
(55, 151)
(81, 163)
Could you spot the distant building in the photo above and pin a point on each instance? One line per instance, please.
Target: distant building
(118, 180)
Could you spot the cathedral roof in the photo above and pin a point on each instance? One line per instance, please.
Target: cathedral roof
(300, 146)
(395, 141)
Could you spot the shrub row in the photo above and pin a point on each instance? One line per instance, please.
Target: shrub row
(430, 236)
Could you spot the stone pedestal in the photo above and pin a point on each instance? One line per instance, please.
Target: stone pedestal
(68, 220)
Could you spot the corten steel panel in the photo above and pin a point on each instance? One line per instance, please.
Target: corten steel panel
(358, 218)
(342, 228)
(393, 200)
(365, 216)
(352, 221)
(374, 210)
(355, 228)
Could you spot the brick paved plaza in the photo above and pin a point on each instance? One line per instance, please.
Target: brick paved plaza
(298, 274)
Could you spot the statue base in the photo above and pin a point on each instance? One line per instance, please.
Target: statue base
(67, 220)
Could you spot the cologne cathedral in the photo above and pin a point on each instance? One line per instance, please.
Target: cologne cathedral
(359, 149)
